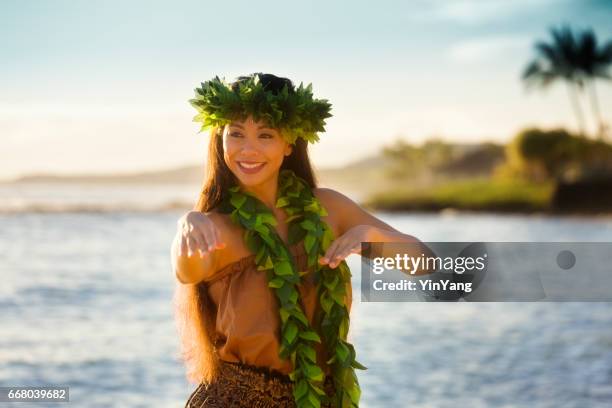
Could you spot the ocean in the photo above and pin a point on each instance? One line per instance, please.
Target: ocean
(86, 302)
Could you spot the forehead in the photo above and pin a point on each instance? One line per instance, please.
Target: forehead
(250, 123)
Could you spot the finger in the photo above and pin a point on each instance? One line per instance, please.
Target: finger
(209, 237)
(199, 242)
(338, 256)
(191, 246)
(220, 244)
(343, 253)
(183, 246)
(331, 252)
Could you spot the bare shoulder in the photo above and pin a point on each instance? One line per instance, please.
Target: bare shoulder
(332, 199)
(337, 205)
(345, 212)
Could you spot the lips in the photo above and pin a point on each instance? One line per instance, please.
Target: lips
(250, 167)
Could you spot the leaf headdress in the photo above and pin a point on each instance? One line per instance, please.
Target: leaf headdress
(295, 112)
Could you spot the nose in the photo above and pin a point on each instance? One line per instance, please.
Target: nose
(249, 148)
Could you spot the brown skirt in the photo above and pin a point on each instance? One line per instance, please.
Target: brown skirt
(242, 385)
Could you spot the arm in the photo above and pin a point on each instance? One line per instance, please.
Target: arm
(356, 225)
(193, 251)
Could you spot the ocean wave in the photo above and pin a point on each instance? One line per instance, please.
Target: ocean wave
(45, 207)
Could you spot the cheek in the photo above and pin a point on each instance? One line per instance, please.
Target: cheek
(230, 147)
(276, 151)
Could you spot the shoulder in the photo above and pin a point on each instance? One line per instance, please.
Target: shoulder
(345, 212)
(332, 198)
(339, 207)
(336, 202)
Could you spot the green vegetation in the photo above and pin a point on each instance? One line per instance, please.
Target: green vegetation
(477, 194)
(533, 171)
(521, 176)
(556, 154)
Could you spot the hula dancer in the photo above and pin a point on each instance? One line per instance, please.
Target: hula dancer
(263, 293)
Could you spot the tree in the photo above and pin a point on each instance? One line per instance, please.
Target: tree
(594, 62)
(577, 60)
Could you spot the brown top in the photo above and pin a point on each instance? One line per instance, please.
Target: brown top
(247, 317)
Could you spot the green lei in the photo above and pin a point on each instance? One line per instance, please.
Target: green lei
(304, 213)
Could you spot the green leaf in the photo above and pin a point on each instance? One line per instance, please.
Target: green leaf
(317, 389)
(308, 225)
(358, 365)
(293, 298)
(309, 353)
(314, 400)
(300, 389)
(342, 351)
(331, 284)
(269, 219)
(284, 293)
(309, 242)
(267, 264)
(293, 217)
(282, 202)
(290, 333)
(326, 302)
(283, 268)
(238, 200)
(261, 252)
(298, 314)
(252, 241)
(276, 283)
(310, 335)
(313, 372)
(296, 234)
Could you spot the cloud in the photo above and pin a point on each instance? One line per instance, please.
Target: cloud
(488, 48)
(477, 11)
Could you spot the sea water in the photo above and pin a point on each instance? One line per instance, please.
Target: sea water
(85, 302)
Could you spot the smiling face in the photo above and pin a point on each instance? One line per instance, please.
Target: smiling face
(253, 151)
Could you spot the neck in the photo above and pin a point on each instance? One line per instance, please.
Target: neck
(266, 192)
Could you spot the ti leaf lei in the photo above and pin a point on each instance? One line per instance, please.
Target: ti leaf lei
(304, 213)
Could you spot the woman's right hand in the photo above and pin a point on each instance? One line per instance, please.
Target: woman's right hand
(197, 233)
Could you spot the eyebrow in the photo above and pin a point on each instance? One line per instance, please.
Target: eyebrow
(258, 128)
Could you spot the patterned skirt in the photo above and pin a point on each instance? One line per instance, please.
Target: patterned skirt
(243, 385)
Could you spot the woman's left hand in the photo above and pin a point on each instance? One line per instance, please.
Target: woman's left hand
(346, 244)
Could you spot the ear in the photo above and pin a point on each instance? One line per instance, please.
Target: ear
(288, 149)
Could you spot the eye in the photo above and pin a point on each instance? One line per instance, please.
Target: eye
(266, 136)
(236, 134)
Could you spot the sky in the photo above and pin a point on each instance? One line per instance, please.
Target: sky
(102, 87)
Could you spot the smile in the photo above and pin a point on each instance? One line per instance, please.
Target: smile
(250, 167)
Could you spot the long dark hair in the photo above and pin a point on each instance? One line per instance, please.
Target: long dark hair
(194, 310)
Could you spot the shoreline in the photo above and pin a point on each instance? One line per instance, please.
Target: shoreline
(178, 207)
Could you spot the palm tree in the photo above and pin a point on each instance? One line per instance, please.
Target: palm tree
(558, 61)
(594, 62)
(575, 59)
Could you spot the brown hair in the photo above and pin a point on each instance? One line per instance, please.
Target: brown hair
(195, 313)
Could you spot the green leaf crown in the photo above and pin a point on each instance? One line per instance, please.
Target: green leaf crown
(293, 111)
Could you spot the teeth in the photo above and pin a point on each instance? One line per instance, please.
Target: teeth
(250, 166)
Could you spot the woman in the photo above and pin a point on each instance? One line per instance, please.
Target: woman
(264, 295)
